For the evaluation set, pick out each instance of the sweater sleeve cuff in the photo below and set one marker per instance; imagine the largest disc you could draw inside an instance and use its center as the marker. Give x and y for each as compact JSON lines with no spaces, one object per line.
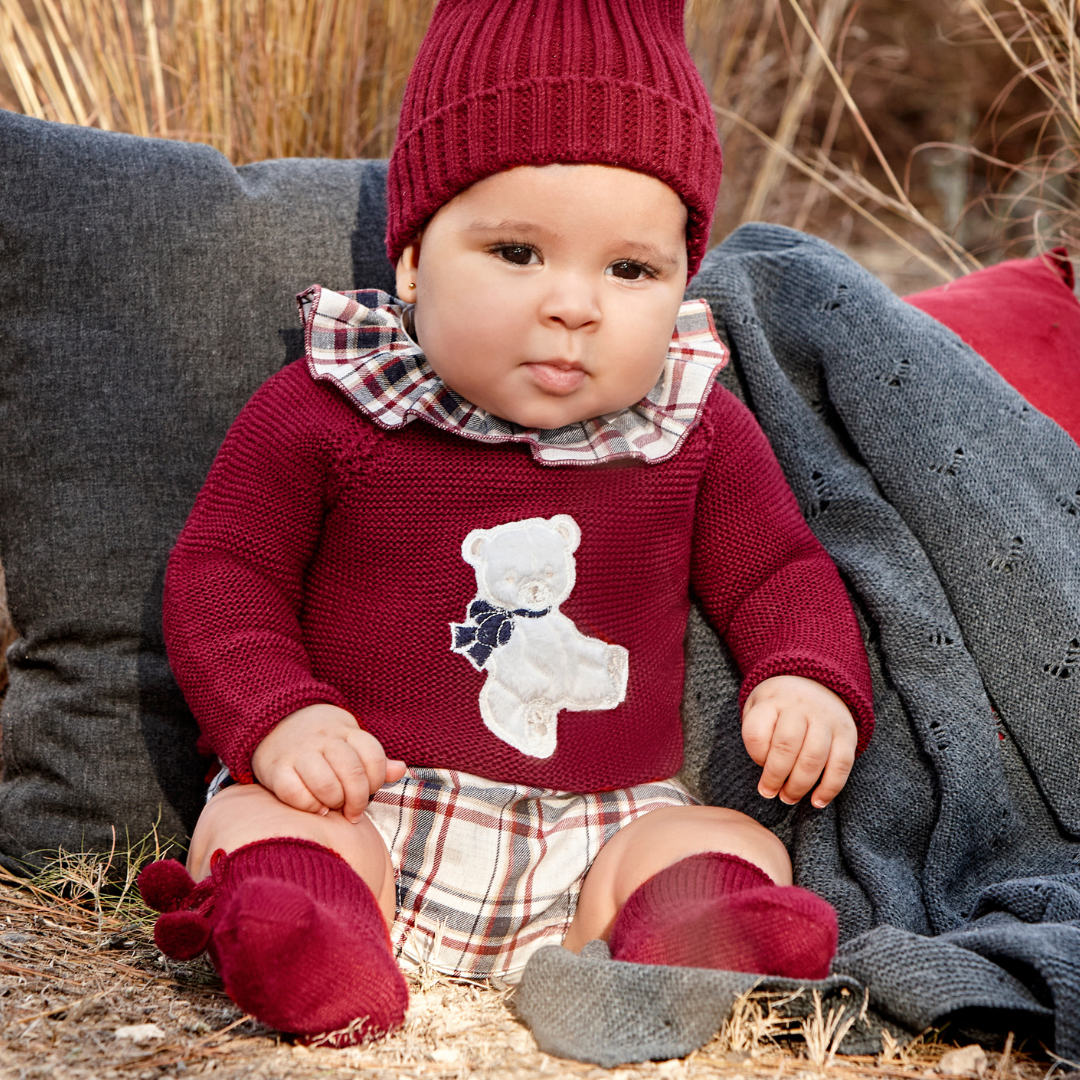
{"x":858,"y":699}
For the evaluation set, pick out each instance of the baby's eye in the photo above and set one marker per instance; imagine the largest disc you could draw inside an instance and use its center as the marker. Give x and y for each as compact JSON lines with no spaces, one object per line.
{"x":518,"y":254}
{"x":629,"y":270}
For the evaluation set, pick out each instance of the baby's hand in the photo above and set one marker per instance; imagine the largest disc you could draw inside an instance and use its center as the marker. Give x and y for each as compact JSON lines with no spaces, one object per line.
{"x":318,"y":759}
{"x":799,"y":730}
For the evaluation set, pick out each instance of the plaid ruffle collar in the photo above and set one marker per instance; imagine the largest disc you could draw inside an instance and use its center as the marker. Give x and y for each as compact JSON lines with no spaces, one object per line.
{"x":356,"y":341}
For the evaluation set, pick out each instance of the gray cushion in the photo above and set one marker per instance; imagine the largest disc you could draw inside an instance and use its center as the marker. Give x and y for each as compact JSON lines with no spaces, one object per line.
{"x":146,"y":289}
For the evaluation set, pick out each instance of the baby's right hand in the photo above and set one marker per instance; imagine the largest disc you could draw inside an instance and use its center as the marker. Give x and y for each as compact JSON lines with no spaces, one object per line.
{"x":318,"y":759}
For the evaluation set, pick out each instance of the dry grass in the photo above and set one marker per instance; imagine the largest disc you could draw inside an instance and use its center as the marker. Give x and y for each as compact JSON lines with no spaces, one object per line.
{"x":253,"y":78}
{"x":76,"y":970}
{"x":946,"y":130}
{"x":1043,"y":44}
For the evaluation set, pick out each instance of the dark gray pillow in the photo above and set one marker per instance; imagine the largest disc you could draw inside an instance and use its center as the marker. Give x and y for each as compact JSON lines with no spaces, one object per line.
{"x":146,"y":290}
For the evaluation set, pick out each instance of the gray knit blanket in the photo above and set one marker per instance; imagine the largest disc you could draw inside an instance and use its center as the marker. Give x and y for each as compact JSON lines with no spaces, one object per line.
{"x":952,"y":509}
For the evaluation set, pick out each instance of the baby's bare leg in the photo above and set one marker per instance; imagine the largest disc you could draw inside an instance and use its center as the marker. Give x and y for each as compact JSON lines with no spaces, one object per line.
{"x":661,"y":839}
{"x":244,"y":813}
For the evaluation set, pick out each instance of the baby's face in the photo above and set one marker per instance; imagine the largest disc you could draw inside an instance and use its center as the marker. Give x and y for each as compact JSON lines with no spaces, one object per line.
{"x":548,"y":295}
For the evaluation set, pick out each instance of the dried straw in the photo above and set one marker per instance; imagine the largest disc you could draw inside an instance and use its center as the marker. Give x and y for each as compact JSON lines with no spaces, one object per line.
{"x":815,"y":98}
{"x":1041,"y":38}
{"x":795,"y":108}
{"x":74,"y":976}
{"x":254,"y":78}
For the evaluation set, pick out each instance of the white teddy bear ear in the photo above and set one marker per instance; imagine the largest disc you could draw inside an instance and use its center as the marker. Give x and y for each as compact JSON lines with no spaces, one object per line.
{"x":568,"y":529}
{"x":472,"y":546}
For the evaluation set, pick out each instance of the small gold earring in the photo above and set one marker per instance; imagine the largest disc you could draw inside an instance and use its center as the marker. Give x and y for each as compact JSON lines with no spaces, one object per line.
{"x":412,"y":284}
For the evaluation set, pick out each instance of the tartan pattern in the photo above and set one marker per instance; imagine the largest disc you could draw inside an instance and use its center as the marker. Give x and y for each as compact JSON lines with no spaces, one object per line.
{"x":357,"y":342}
{"x":487,"y":872}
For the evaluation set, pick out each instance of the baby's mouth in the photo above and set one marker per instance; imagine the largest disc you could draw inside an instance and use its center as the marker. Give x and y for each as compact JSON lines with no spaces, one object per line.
{"x":558,"y":377}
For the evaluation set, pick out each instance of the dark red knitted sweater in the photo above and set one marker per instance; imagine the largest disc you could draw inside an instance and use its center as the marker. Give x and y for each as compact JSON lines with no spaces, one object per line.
{"x":322,"y":562}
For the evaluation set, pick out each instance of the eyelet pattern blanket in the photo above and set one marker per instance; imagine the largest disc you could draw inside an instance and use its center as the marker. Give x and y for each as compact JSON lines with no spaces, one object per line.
{"x":952,"y":508}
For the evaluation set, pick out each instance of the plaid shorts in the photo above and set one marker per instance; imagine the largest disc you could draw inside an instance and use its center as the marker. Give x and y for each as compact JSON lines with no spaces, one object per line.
{"x":488,"y":872}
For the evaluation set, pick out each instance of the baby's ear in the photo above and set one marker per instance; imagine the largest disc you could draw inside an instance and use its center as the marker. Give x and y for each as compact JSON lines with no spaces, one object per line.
{"x":406,"y":272}
{"x":473,"y":547}
{"x":568,"y":529}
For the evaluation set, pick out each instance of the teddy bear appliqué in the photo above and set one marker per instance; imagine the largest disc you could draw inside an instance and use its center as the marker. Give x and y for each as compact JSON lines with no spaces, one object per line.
{"x":536,"y":659}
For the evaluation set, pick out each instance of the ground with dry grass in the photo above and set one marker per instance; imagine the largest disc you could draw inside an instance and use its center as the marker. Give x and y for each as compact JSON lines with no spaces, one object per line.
{"x":85,"y":995}
{"x":946,"y":128}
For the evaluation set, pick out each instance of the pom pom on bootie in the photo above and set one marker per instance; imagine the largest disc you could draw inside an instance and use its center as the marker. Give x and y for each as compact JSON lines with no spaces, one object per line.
{"x":295,"y":934}
{"x":719,"y":911}
{"x":183,"y":930}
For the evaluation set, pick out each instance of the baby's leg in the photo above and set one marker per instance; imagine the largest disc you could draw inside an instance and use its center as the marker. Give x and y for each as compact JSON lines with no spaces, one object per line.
{"x":658,"y":840}
{"x":702,"y":886}
{"x":244,"y":813}
{"x":294,"y":910}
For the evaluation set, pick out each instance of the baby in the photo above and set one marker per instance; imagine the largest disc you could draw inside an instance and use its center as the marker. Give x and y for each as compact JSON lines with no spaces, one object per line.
{"x":429,"y":607}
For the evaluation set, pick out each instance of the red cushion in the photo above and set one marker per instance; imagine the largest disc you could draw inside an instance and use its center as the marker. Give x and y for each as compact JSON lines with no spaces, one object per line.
{"x":1023,"y":318}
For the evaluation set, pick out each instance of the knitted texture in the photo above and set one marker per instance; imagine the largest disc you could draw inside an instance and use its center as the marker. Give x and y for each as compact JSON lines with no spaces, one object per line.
{"x":950,"y":507}
{"x":719,"y":911}
{"x":323,"y":562}
{"x":500,"y":83}
{"x":638,"y":1012}
{"x":294,"y":933}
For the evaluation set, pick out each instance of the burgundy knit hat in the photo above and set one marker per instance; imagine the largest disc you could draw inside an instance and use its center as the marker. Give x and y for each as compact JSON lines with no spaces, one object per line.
{"x":500,"y":83}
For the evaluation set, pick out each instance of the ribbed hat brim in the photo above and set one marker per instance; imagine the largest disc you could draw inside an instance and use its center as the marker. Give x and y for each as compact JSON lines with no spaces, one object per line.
{"x":540,"y":121}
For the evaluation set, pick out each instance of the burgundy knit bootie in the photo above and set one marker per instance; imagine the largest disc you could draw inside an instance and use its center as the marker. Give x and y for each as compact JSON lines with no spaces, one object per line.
{"x":719,"y":911}
{"x":295,"y":934}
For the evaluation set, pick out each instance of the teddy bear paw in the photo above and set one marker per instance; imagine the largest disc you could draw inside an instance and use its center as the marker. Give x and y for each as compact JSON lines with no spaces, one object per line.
{"x":618,"y":668}
{"x":540,"y":718}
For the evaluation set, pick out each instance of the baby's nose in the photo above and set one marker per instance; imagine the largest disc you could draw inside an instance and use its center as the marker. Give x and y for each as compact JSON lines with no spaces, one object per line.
{"x":571,"y":302}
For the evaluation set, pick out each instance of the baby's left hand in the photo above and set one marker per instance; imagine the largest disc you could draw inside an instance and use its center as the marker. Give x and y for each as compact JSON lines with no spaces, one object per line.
{"x":799,"y":730}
